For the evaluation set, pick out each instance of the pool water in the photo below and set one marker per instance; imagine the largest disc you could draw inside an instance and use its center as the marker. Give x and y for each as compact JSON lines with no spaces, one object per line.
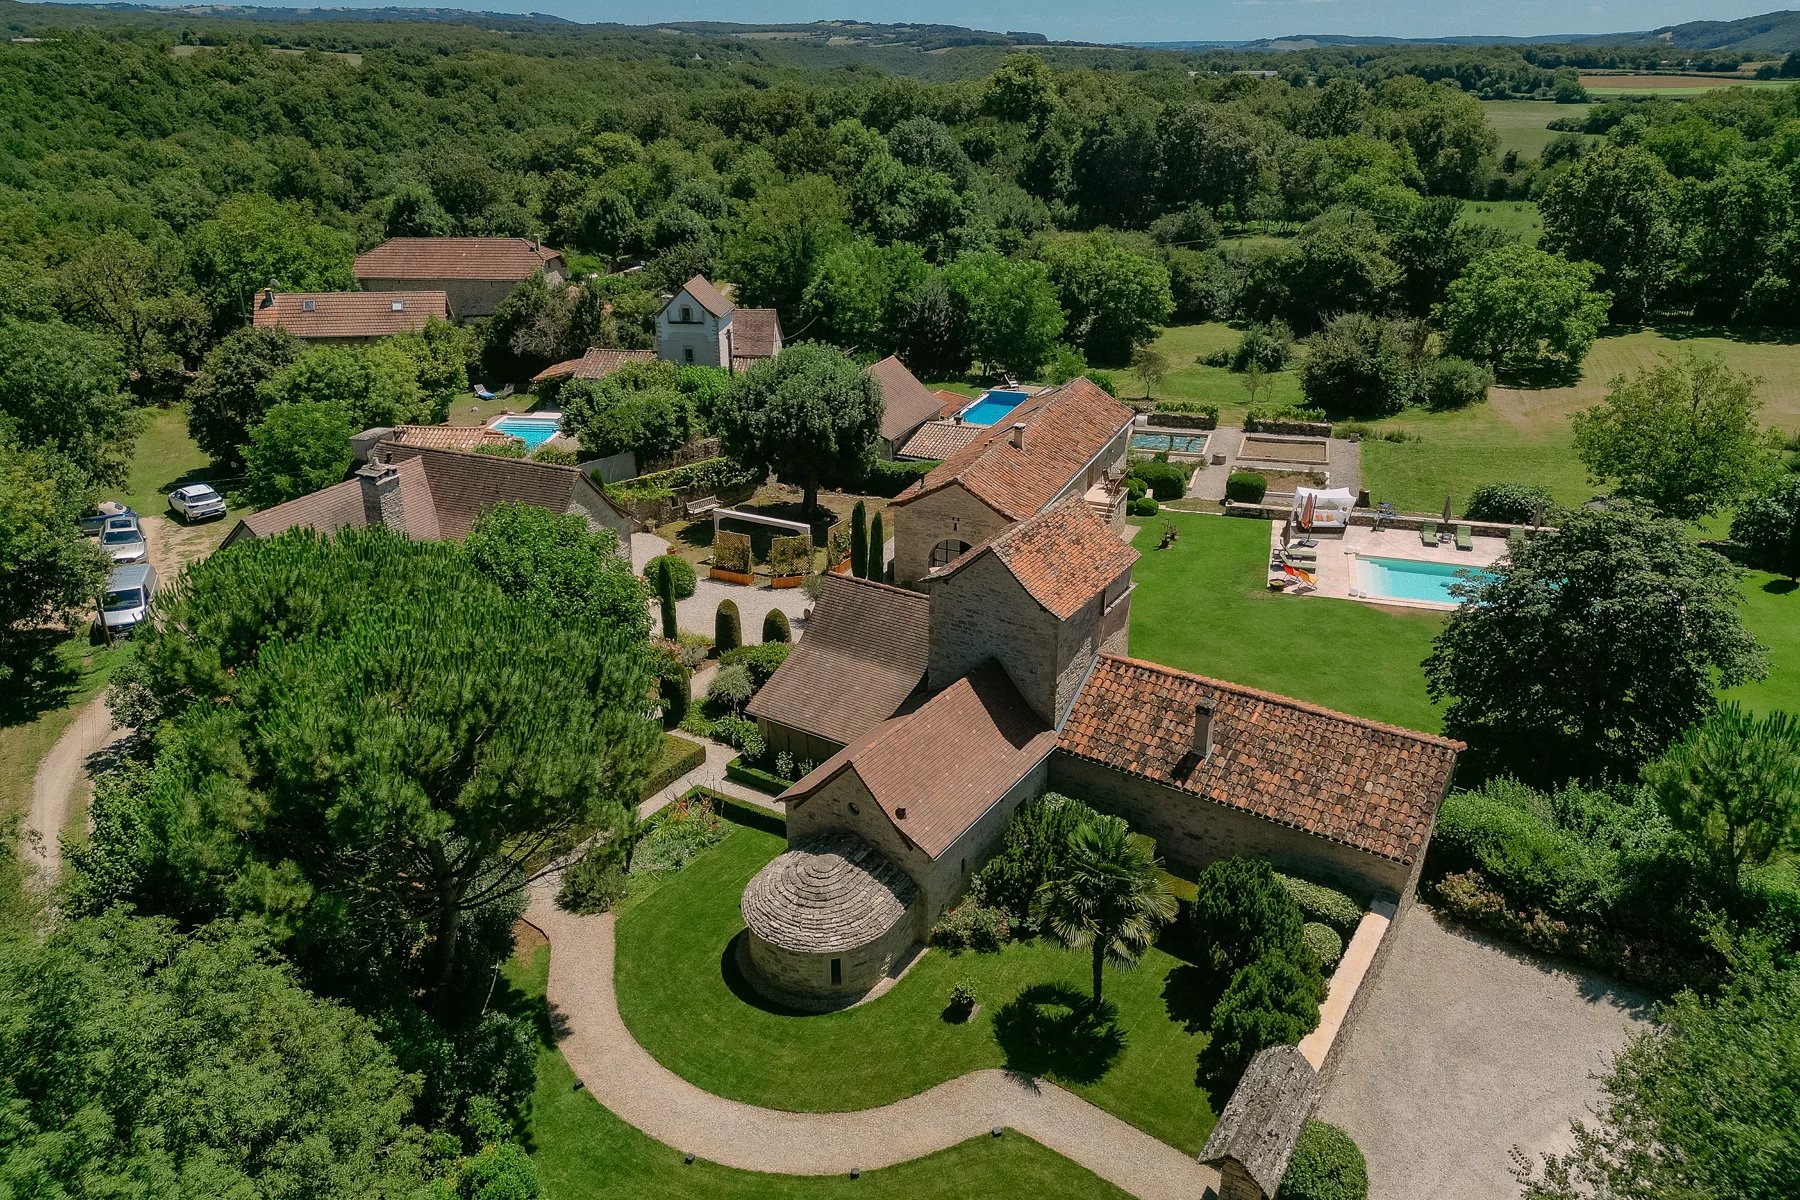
{"x":1172,"y":443}
{"x":533,"y":431}
{"x":990,"y":407}
{"x":1409,"y":579}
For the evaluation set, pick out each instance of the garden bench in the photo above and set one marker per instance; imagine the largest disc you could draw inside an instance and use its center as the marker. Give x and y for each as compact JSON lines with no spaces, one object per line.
{"x":694,"y":508}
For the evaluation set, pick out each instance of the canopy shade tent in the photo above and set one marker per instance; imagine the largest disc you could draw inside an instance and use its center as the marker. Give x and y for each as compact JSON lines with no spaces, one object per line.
{"x":1320,"y":508}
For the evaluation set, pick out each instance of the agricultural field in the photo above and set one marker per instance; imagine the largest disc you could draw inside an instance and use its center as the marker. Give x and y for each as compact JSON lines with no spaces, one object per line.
{"x":1654,"y":84}
{"x":1523,"y":125}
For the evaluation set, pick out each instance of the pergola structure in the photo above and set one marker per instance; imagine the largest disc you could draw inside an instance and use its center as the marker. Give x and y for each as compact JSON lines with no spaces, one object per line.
{"x":735,"y":514}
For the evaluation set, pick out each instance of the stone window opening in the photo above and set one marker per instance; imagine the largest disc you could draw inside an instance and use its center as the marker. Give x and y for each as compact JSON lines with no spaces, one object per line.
{"x":687,"y":315}
{"x":687,"y":354}
{"x":947,"y":550}
{"x":837,"y":971}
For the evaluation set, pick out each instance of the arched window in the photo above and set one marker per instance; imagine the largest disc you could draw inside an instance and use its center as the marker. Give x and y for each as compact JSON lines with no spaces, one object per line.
{"x":946,"y":550}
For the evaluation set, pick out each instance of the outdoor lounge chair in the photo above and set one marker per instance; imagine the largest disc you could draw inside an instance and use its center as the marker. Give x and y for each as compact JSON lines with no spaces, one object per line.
{"x":1465,"y":537}
{"x":1428,"y":533}
{"x":1296,"y":555}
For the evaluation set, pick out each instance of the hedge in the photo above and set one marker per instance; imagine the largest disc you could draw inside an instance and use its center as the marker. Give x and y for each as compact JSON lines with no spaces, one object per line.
{"x":679,"y":756}
{"x":707,"y":475}
{"x":763,"y":781}
{"x":1246,"y":487}
{"x":1142,"y":506}
{"x":1327,"y":1165}
{"x":1323,"y":904}
{"x":776,"y":628}
{"x":1324,"y":942}
{"x":680,"y":569}
{"x":1506,"y":503}
{"x":1165,"y":480}
{"x":761,"y":661}
{"x":885,"y":477}
{"x":728,"y":634}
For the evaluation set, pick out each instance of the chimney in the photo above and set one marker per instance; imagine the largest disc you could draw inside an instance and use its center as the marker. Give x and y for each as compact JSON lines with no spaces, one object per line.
{"x":382,"y":504}
{"x":1203,"y":728}
{"x":1018,"y":435}
{"x":268,"y":300}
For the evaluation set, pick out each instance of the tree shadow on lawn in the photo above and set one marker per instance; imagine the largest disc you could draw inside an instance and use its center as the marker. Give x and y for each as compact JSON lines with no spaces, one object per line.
{"x":1053,"y":1030}
{"x":1189,"y":994}
{"x":34,"y":677}
{"x":1781,"y":587}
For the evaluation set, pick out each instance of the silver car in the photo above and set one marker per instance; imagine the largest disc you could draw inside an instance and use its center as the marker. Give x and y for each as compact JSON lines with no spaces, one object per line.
{"x":122,"y":540}
{"x":129,"y":591}
{"x":196,"y":502}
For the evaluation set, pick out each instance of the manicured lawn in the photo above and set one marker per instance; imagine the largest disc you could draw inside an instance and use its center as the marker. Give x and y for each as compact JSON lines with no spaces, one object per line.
{"x":1188,"y":380}
{"x":39,"y":702}
{"x":680,"y":993}
{"x":164,"y":459}
{"x":584,"y":1152}
{"x":1772,"y":611}
{"x":1203,"y":606}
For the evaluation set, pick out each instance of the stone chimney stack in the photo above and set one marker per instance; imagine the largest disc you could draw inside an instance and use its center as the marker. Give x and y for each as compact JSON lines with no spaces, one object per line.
{"x":382,"y":503}
{"x":1018,"y":435}
{"x":268,"y":300}
{"x":1203,"y":729}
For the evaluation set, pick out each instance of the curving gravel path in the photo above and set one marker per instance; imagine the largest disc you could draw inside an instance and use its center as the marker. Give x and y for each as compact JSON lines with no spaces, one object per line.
{"x":59,"y":773}
{"x":626,"y":1079}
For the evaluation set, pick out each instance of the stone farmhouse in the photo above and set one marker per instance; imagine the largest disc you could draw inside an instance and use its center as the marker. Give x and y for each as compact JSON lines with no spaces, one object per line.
{"x":1006,"y":675}
{"x":348,"y":318}
{"x":435,"y":494}
{"x":1067,"y":441}
{"x":700,"y":325}
{"x":474,"y":273}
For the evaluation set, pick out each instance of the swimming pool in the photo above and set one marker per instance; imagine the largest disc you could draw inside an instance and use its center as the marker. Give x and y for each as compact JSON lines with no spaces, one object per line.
{"x":990,"y":407}
{"x":533,"y":431}
{"x":1170,"y":443}
{"x":1410,"y":579}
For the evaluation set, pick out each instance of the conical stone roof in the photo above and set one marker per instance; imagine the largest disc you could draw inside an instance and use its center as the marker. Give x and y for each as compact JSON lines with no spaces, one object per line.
{"x":828,"y":895}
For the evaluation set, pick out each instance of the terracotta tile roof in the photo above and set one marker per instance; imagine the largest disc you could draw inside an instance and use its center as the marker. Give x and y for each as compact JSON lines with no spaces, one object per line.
{"x":705,"y":295}
{"x":938,"y":440}
{"x":755,"y":333}
{"x":597,"y":363}
{"x":1065,"y":428}
{"x":1062,"y":557}
{"x":743,"y":362}
{"x":455,"y":258}
{"x":935,"y":771}
{"x":950,"y":403}
{"x":864,"y":652}
{"x":347,"y":505}
{"x":465,"y":485}
{"x":1369,"y":786}
{"x":448,"y":437}
{"x":905,"y":404}
{"x":349,"y":314}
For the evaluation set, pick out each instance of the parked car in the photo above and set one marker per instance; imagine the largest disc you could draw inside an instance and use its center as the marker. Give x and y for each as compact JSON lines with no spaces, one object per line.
{"x":94,"y":522}
{"x":196,"y":502}
{"x":129,"y":591}
{"x":122,"y":540}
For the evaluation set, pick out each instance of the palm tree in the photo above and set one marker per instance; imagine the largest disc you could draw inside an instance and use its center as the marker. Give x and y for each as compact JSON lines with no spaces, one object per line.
{"x":1108,"y":895}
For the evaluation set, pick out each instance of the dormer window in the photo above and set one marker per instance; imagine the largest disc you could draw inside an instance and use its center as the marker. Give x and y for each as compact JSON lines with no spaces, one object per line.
{"x":308,"y":305}
{"x":399,"y":306}
{"x":687,"y":315}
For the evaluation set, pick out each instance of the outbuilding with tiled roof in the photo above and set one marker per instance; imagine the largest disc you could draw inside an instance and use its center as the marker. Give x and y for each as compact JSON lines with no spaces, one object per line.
{"x":348,"y":317}
{"x":476,"y":272}
{"x":597,"y":363}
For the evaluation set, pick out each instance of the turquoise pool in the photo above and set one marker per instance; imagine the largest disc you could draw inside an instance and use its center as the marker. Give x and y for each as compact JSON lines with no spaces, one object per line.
{"x":1409,"y":579}
{"x":990,"y":407}
{"x":533,"y":431}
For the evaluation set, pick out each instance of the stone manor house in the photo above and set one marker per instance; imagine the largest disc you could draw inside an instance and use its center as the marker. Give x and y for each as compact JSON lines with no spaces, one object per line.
{"x":1002,"y":672}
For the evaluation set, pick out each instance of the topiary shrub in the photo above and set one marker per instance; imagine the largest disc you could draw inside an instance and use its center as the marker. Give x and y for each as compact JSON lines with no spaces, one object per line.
{"x":1242,"y":913}
{"x":1324,"y":943}
{"x":1143,"y":506}
{"x":971,"y":926}
{"x":1507,"y":503}
{"x":1165,"y":480}
{"x":673,"y":685}
{"x":1246,"y":487}
{"x":1321,"y":903}
{"x":1327,"y":1165}
{"x":877,"y":550}
{"x":728,"y":633}
{"x":775,"y":627}
{"x":1273,"y":1001}
{"x":731,"y":687}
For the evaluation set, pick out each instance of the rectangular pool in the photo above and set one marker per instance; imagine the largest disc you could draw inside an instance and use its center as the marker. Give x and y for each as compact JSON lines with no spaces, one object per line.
{"x":1170,"y":443}
{"x":990,"y":407}
{"x":533,"y":431}
{"x":1410,"y":579}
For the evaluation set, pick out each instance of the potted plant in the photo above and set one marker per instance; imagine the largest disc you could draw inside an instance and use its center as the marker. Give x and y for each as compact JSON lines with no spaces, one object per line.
{"x":790,"y":558}
{"x":732,"y":561}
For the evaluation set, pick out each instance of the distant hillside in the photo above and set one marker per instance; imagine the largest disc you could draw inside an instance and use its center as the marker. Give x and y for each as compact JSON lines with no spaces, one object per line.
{"x":1772,"y":34}
{"x":289,"y":16}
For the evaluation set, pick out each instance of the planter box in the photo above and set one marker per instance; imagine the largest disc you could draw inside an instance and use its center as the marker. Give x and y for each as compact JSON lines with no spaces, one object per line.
{"x":787,"y":581}
{"x":741,"y":577}
{"x":842,"y":568}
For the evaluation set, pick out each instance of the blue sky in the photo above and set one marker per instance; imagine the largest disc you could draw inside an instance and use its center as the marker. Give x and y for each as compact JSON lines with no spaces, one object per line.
{"x":1156,"y":20}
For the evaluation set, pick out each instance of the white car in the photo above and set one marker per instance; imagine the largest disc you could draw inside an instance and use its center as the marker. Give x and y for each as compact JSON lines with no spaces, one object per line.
{"x":196,"y":502}
{"x":122,"y":541}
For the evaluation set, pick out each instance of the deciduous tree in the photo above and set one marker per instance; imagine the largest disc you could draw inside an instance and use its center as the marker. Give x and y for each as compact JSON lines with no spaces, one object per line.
{"x":1616,"y":207}
{"x":48,"y":567}
{"x":1114,"y":298}
{"x":809,"y":414}
{"x":226,"y":398}
{"x":1521,"y":310}
{"x":297,"y":449}
{"x":62,"y":388}
{"x":1008,"y":308}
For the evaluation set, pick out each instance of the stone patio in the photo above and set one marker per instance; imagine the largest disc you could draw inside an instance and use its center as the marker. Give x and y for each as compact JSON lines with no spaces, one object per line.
{"x":1336,"y":573}
{"x":1343,"y":470}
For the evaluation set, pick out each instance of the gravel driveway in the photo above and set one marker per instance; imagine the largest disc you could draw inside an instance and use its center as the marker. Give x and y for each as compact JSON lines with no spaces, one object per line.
{"x":1465,"y":1050}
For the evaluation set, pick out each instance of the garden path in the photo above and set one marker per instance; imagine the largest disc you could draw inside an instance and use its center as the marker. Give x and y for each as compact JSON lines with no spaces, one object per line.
{"x":624,"y":1077}
{"x":60,"y":774}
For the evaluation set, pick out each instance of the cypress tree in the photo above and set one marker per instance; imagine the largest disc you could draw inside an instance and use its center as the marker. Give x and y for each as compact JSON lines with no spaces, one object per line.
{"x":877,"y":551}
{"x":665,"y":596}
{"x":775,"y":627}
{"x":859,"y":541}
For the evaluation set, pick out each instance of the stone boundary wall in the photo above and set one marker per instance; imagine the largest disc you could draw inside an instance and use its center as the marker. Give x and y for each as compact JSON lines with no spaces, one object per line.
{"x":1157,"y":419}
{"x":1292,"y":428}
{"x":1354,"y":970}
{"x":1366,"y":517}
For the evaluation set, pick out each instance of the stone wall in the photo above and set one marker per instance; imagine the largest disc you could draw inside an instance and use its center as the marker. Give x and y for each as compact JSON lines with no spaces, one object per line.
{"x":468,"y":297}
{"x":923,"y":523}
{"x":704,"y":335}
{"x":982,"y":613}
{"x":946,"y":879}
{"x":593,"y":508}
{"x":804,"y":980}
{"x":1192,"y":832}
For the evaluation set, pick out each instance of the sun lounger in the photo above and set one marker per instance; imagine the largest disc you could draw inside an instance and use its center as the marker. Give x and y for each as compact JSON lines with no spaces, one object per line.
{"x":1465,"y":537}
{"x":1428,"y":533}
{"x":1300,"y":556}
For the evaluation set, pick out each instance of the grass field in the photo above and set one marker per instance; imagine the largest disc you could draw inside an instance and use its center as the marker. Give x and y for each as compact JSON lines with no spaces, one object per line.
{"x":680,"y":994}
{"x":1188,"y":380}
{"x":1772,"y":611}
{"x":164,"y":459}
{"x":1523,"y":125}
{"x":1203,"y":606}
{"x":584,"y":1152}
{"x":1517,"y":217}
{"x":1653,"y":84}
